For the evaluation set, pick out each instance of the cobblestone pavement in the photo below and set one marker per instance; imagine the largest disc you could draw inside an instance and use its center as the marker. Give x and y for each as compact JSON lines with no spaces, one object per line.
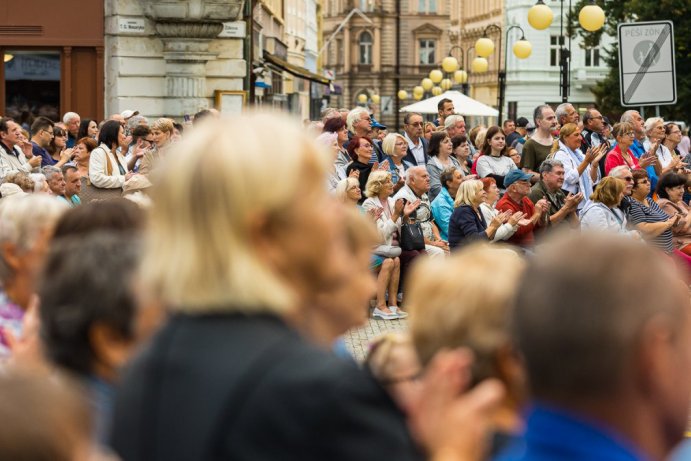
{"x":357,"y":340}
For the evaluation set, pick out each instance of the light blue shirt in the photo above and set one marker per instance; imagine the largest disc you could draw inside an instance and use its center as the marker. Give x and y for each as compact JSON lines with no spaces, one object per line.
{"x":442,"y":209}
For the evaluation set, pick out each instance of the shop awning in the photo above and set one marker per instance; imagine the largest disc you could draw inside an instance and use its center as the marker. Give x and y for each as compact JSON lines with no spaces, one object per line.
{"x":296,"y":70}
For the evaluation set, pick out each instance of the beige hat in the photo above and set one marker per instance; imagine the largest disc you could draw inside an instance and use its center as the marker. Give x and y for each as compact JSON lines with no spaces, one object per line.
{"x":9,"y":189}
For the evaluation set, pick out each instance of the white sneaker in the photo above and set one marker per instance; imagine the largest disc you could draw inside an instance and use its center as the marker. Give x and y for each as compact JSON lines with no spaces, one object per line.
{"x":399,"y":313}
{"x":381,"y":315}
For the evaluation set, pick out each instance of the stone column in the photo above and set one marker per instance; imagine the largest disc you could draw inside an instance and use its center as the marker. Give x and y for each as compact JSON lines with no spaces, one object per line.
{"x":186,"y":28}
{"x":186,"y":52}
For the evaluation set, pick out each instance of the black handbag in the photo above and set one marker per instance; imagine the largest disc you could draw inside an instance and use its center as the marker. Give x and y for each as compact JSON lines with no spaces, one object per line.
{"x":411,"y":237}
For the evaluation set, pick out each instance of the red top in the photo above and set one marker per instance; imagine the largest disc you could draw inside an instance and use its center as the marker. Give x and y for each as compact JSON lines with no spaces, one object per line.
{"x":615,"y":158}
{"x":524,"y":235}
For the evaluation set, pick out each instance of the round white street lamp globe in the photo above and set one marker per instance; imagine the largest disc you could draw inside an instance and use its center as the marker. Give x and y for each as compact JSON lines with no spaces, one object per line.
{"x":591,"y":18}
{"x":522,"y":49}
{"x":540,"y":16}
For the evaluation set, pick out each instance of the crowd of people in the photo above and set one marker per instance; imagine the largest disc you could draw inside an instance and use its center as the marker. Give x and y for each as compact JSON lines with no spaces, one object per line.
{"x":173,"y":292}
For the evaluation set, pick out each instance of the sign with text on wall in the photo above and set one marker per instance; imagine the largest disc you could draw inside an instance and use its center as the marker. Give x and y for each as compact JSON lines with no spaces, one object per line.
{"x":131,"y":25}
{"x":234,"y":29}
{"x":647,"y":74}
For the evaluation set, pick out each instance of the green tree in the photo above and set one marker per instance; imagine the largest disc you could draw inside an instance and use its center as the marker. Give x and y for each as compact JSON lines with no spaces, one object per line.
{"x":622,"y":11}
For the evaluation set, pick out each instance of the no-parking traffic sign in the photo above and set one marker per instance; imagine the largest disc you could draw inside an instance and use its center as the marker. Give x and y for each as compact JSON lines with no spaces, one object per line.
{"x":647,"y":74}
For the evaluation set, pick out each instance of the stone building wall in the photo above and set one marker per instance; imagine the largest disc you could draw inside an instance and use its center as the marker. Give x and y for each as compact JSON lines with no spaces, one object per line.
{"x":164,"y":57}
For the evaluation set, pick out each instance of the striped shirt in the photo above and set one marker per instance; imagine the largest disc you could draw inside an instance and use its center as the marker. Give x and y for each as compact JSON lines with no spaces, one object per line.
{"x":639,"y":213}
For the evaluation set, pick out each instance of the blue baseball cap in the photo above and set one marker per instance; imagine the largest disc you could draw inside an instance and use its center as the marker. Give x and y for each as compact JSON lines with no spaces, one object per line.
{"x":516,"y":175}
{"x":376,"y":124}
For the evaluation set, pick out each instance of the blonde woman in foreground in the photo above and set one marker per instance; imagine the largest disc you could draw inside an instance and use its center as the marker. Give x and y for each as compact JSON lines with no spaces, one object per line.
{"x":229,"y":369}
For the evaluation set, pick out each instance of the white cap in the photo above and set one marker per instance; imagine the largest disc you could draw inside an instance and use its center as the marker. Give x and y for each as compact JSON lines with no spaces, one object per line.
{"x":129,"y":113}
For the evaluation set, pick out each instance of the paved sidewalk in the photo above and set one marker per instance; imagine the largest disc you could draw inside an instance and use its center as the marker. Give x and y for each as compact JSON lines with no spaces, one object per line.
{"x":357,"y":340}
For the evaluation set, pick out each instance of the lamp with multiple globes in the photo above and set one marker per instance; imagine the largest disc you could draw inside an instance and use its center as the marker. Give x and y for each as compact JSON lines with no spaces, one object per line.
{"x":362,"y":98}
{"x":446,"y":84}
{"x":591,"y":18}
{"x":427,"y":84}
{"x":375,"y":98}
{"x":402,"y":95}
{"x":418,"y":93}
{"x":436,"y":91}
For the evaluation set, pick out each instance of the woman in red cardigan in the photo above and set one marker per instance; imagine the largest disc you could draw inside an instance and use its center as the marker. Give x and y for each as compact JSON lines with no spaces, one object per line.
{"x":621,"y":154}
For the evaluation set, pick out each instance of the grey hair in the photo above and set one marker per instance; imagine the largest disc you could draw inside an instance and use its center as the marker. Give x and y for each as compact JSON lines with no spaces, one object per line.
{"x":69,"y":116}
{"x":650,"y":123}
{"x":50,"y":171}
{"x":561,"y":110}
{"x":628,"y":116}
{"x":39,"y":180}
{"x":354,"y":116}
{"x":136,"y":120}
{"x":537,"y":113}
{"x":549,"y":164}
{"x":22,"y":219}
{"x":452,"y":120}
{"x":413,"y":171}
{"x":619,"y":171}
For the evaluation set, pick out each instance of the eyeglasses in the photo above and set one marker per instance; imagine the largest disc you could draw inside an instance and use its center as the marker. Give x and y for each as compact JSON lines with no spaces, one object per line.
{"x":599,"y":117}
{"x":418,"y":124}
{"x":60,"y":135}
{"x":628,"y":179}
{"x":644,"y":181}
{"x":49,"y":132}
{"x":629,"y":133}
{"x":366,"y":146}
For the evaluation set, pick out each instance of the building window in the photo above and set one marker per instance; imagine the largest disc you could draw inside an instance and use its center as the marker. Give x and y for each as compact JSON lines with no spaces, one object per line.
{"x":365,"y":48}
{"x":556,"y":42}
{"x":366,"y":5}
{"x":427,"y":6}
{"x":32,"y":85}
{"x":592,"y":56}
{"x":427,"y":52}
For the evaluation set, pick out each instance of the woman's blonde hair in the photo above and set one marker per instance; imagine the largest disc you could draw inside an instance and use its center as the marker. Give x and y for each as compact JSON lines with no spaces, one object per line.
{"x":375,"y":182}
{"x":467,"y":192}
{"x":342,"y":187}
{"x":608,"y":191}
{"x":163,"y":124}
{"x":388,"y":145}
{"x":567,"y":130}
{"x":447,"y":311}
{"x":199,"y":253}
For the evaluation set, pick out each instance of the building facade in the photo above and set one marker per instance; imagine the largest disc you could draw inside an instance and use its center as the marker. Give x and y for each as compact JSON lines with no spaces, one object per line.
{"x":385,"y":46}
{"x":536,"y":80}
{"x":160,"y":57}
{"x":173,"y":58}
{"x":53,"y":59}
